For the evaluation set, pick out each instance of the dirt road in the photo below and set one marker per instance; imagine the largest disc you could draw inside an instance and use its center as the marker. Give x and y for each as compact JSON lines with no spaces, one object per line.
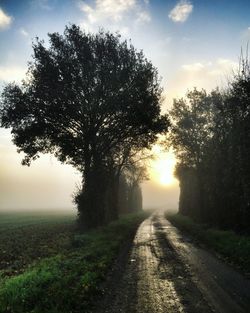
{"x":165,"y":272}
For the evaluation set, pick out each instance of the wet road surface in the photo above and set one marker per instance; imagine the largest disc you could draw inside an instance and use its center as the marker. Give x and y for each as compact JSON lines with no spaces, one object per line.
{"x":165,"y":272}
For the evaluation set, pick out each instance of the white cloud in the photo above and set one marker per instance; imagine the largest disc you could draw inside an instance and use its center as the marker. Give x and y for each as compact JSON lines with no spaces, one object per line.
{"x":113,"y":9}
{"x":143,"y":16}
{"x":194,"y":67}
{"x":226,"y":64}
{"x":207,"y":75}
{"x":12,"y":73}
{"x":223,"y":68}
{"x":181,"y":11}
{"x":23,"y":32}
{"x":218,"y":67}
{"x":5,"y":20}
{"x":114,"y":14}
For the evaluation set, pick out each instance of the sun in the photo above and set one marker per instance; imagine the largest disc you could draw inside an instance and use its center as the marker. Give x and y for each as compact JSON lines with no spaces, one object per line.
{"x":162,"y":167}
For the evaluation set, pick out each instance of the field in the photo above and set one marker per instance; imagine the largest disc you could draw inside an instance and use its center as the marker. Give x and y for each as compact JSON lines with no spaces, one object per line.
{"x":27,"y":237}
{"x":46,"y":266}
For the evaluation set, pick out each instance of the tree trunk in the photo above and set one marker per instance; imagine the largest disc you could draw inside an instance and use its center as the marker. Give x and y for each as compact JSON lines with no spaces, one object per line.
{"x":112,"y":200}
{"x":91,"y":206}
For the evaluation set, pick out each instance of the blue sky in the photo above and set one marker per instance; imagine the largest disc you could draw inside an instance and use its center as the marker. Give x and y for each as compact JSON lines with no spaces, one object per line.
{"x":205,"y":34}
{"x":199,"y":32}
{"x":192,"y":43}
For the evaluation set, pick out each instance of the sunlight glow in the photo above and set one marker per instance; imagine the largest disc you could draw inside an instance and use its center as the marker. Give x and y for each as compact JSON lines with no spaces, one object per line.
{"x":161,"y":168}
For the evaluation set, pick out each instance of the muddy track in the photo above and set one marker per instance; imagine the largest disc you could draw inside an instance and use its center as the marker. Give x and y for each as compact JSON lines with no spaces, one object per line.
{"x":164,"y":272}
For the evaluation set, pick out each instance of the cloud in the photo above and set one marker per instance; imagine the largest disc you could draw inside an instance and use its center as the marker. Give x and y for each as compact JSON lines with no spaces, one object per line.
{"x":194,"y":67}
{"x":181,"y":11}
{"x":23,"y":32}
{"x":12,"y":73}
{"x":47,"y":5}
{"x":226,"y":64}
{"x":143,"y":16}
{"x":113,"y":9}
{"x":5,"y":20}
{"x":218,"y":67}
{"x":114,"y":14}
{"x":207,"y":75}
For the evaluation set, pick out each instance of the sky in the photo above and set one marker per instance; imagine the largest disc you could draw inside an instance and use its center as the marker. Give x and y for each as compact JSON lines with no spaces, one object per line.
{"x":192,"y":43}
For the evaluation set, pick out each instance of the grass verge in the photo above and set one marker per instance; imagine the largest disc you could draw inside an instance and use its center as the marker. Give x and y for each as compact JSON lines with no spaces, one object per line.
{"x":70,"y":281}
{"x":233,"y":248}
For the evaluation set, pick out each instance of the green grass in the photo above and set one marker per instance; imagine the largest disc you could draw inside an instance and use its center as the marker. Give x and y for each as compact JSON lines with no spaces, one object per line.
{"x":71,"y":279}
{"x":233,"y":248}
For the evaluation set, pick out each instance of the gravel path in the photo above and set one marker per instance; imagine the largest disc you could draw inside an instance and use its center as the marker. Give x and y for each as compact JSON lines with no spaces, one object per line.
{"x":166,"y":273}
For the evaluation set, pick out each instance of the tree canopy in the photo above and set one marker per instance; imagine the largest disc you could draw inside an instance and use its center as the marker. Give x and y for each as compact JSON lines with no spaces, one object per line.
{"x":93,"y":101}
{"x":210,"y":134}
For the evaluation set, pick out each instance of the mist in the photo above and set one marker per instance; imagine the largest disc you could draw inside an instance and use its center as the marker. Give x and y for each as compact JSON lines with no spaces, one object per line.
{"x":47,"y":184}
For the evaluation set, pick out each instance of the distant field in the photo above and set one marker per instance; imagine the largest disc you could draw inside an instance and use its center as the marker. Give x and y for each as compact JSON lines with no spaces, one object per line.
{"x":26,"y":237}
{"x":10,"y":220}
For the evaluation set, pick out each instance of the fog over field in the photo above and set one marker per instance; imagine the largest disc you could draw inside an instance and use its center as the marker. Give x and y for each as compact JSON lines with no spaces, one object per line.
{"x":49,"y":184}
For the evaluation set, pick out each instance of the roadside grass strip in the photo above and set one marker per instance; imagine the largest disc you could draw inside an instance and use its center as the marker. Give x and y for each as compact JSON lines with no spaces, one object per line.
{"x":69,"y":281}
{"x":233,"y":248}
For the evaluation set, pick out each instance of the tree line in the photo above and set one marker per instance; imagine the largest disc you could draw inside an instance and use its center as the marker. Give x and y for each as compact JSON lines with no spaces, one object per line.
{"x":210,"y":134}
{"x":93,"y":101}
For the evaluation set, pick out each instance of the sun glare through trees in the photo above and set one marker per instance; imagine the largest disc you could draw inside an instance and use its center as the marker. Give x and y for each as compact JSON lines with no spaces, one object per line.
{"x":124,"y":156}
{"x":161,"y":167}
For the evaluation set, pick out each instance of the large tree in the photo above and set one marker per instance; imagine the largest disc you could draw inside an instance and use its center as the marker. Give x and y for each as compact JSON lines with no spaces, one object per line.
{"x":92,"y":100}
{"x":210,"y":134}
{"x":190,"y":136}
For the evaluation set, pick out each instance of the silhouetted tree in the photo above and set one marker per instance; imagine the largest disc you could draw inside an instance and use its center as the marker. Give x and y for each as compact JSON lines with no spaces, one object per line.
{"x":190,"y":133}
{"x":130,"y":194}
{"x":210,"y":134}
{"x":89,"y":99}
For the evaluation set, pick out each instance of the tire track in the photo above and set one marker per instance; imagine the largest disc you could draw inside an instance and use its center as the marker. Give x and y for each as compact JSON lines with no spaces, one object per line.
{"x":154,"y":280}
